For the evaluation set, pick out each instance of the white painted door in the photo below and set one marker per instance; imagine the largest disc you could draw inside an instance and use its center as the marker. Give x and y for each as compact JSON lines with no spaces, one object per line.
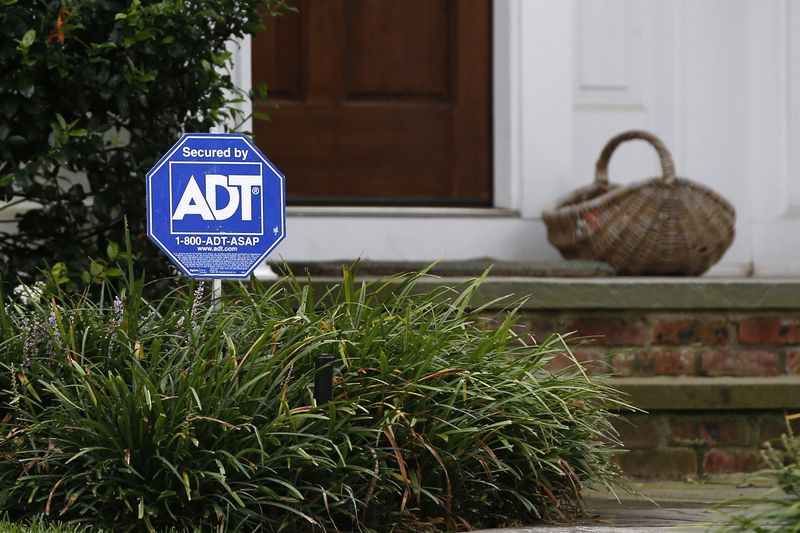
{"x":775,"y":136}
{"x":673,"y":68}
{"x":719,"y":82}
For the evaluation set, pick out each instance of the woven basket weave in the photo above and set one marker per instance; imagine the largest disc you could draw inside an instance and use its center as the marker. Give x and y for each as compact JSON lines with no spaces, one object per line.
{"x":660,"y":226}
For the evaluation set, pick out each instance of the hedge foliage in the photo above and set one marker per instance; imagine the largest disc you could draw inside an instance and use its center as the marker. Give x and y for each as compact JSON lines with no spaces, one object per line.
{"x":136,"y":415}
{"x":93,"y":92}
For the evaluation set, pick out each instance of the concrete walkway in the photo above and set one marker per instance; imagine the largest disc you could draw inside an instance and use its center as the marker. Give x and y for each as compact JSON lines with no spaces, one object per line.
{"x":661,"y":506}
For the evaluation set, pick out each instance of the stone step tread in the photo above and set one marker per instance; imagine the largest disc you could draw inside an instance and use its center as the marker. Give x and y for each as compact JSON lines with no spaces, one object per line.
{"x":612,"y":293}
{"x":705,"y":393}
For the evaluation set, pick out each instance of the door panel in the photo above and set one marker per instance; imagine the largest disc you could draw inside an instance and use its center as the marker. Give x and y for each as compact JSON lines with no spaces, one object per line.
{"x":379,"y":101}
{"x":387,"y":60}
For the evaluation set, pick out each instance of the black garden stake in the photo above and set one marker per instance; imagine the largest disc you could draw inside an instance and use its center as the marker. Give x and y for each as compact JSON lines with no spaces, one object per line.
{"x":323,"y":381}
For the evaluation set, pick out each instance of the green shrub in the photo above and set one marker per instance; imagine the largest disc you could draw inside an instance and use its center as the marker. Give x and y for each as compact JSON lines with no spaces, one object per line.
{"x":102,"y":88}
{"x":134,"y":414}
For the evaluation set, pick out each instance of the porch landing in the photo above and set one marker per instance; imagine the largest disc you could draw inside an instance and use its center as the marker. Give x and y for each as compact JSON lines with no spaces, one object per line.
{"x":658,"y":506}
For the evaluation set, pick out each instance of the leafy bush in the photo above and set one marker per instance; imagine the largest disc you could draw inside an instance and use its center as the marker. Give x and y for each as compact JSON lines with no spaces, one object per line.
{"x":136,"y":414}
{"x":772,"y":511}
{"x":101,"y":89}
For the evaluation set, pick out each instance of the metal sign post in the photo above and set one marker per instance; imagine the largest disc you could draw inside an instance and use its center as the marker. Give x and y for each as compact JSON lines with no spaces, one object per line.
{"x":216,"y":293}
{"x":216,"y":283}
{"x":323,"y":379}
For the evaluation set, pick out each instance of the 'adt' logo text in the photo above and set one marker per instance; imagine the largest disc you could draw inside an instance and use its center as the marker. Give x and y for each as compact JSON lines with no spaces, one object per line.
{"x":216,"y":197}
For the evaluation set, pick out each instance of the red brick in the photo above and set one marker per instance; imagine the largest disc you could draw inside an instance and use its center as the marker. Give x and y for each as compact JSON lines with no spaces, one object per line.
{"x":740,"y":363}
{"x":663,"y":463}
{"x":655,"y":363}
{"x":688,"y":331}
{"x":724,"y":462}
{"x":725,"y":432}
{"x":793,"y":362}
{"x":772,"y":427}
{"x":769,"y":330}
{"x":640,"y":431}
{"x":541,"y":328}
{"x":684,"y":431}
{"x":709,"y":431}
{"x":594,"y":362}
{"x":609,"y":331}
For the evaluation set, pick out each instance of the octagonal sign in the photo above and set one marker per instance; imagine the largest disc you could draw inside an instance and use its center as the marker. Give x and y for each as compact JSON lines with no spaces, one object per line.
{"x":216,"y":205}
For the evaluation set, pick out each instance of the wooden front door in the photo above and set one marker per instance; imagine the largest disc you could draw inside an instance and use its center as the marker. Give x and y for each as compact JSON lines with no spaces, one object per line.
{"x":380,"y":101}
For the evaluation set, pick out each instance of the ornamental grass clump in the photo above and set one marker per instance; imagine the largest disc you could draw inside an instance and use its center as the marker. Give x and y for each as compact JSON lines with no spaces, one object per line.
{"x":137,"y":415}
{"x":779,"y":508}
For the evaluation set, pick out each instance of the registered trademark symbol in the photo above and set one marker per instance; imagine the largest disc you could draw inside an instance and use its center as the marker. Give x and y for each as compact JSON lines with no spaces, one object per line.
{"x":256,"y":190}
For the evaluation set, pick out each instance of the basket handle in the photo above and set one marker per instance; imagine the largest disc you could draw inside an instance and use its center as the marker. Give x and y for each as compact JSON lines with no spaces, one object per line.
{"x":667,"y":164}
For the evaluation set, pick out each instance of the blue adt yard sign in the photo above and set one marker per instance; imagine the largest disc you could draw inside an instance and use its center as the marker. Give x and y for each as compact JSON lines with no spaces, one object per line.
{"x":215,"y":205}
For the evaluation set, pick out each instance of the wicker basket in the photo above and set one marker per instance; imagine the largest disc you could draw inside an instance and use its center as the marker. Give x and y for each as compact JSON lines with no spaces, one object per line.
{"x":661,"y":226}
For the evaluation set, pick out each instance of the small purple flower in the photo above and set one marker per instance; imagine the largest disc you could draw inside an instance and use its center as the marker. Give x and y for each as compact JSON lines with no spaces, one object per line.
{"x":56,"y":334}
{"x":118,"y":308}
{"x":116,"y":316}
{"x":35,"y":336}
